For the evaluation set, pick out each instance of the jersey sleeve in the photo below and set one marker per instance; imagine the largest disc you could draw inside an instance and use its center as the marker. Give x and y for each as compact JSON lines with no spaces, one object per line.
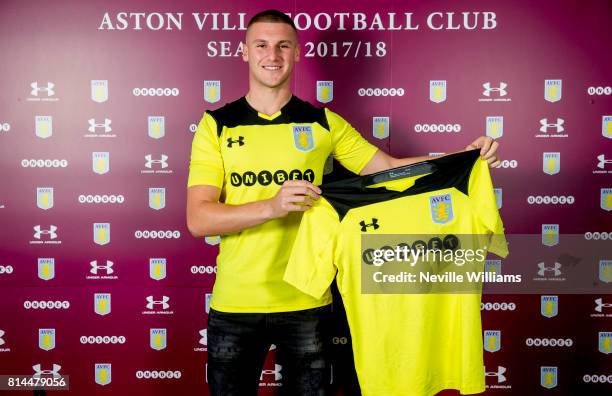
{"x":311,"y":266}
{"x":351,"y":149}
{"x":206,"y":163}
{"x":481,"y":194}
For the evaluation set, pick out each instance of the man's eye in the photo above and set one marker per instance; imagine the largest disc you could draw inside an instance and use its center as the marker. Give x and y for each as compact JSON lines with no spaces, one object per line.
{"x":259,"y":45}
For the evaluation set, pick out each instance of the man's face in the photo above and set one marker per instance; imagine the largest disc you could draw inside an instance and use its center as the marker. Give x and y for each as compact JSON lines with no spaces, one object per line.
{"x":271,"y":49}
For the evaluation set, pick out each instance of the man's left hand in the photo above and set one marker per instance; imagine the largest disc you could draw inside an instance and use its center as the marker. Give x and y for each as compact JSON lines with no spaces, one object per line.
{"x":488,"y":150}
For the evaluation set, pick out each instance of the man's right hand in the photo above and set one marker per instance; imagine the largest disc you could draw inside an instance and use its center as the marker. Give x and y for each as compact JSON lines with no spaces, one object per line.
{"x":293,"y":196}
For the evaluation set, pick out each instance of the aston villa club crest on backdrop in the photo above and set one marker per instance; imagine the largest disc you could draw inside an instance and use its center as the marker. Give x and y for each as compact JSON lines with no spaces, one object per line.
{"x":157,"y":198}
{"x":46,"y":339}
{"x":157,"y":268}
{"x":493,"y":266}
{"x":552,"y":90}
{"x":302,"y":137}
{"x":606,"y":199}
{"x":498,"y":197}
{"x":102,"y":303}
{"x":549,"y":306}
{"x":157,"y":339}
{"x":325,"y":91}
{"x":605,"y":342}
{"x":605,"y":271}
{"x":606,"y":126}
{"x":551,"y":163}
{"x":548,"y":376}
{"x":495,"y":127}
{"x":99,"y":90}
{"x":156,"y":127}
{"x":46,"y":268}
{"x":492,"y":340}
{"x":437,"y":91}
{"x":100,"y":162}
{"x":102,"y":373}
{"x":44,"y":197}
{"x":441,"y":208}
{"x":550,"y":234}
{"x":43,"y":126}
{"x":212,"y":91}
{"x":380,"y":127}
{"x":101,"y":233}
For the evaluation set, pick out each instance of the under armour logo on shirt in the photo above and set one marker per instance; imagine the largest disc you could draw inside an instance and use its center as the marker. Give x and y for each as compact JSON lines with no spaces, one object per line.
{"x":231,"y":142}
{"x":365,"y":226}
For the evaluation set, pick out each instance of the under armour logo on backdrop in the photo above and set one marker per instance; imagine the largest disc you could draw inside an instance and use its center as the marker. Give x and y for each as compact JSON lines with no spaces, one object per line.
{"x":365,"y":226}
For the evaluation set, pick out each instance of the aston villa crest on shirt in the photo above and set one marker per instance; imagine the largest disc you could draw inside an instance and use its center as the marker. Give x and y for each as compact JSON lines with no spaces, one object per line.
{"x":325,"y":91}
{"x":157,"y":198}
{"x":552,"y":90}
{"x":606,"y":126}
{"x":46,"y":339}
{"x":606,"y":199}
{"x":549,"y":306}
{"x":157,"y":339}
{"x":437,"y":91}
{"x":380,"y":127}
{"x":551,"y":163}
{"x":495,"y":127}
{"x":492,"y":340}
{"x":302,"y":137}
{"x":44,"y":197}
{"x":100,"y":162}
{"x":212,"y":91}
{"x":102,"y":303}
{"x":99,"y":90}
{"x":441,"y":208}
{"x":43,"y":126}
{"x":46,"y":268}
{"x":548,"y":376}
{"x":101,"y":233}
{"x":102,"y":373}
{"x":157,"y":268}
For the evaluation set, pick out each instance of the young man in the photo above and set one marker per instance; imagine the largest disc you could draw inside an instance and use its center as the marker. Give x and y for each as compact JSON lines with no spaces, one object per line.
{"x":255,"y":166}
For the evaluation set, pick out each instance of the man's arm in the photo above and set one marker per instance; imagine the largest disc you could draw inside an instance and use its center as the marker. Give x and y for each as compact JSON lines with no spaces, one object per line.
{"x":207,"y":216}
{"x":382,"y":161}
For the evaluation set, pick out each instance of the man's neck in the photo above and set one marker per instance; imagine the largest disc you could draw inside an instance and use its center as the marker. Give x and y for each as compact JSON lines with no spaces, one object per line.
{"x":268,"y":101}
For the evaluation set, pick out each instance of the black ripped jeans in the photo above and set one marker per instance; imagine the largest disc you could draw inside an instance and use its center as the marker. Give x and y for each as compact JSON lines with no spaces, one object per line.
{"x":238,"y":344}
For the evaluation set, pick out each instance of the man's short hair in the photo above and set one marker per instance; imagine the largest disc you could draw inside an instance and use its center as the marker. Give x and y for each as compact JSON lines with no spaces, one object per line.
{"x":274,"y":16}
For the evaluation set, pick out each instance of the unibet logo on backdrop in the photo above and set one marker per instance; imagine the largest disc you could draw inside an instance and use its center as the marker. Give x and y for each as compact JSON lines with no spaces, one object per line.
{"x":495,"y":126}
{"x":552,"y":90}
{"x":212,"y":91}
{"x":380,"y":127}
{"x":551,"y":163}
{"x":325,"y":91}
{"x":43,"y":126}
{"x":46,"y":268}
{"x":102,"y":373}
{"x":549,"y":306}
{"x":437,"y":91}
{"x":99,"y":90}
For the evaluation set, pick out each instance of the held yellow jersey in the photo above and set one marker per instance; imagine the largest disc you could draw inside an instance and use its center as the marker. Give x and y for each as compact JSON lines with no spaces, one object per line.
{"x":249,"y":155}
{"x":404,"y":344}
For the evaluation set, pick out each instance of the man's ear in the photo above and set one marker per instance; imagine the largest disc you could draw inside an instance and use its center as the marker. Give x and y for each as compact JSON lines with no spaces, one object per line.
{"x":245,"y":52}
{"x":297,"y":52}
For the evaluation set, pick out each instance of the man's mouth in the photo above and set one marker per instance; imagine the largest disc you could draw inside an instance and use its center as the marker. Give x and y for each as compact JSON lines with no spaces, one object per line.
{"x":272,"y":68}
